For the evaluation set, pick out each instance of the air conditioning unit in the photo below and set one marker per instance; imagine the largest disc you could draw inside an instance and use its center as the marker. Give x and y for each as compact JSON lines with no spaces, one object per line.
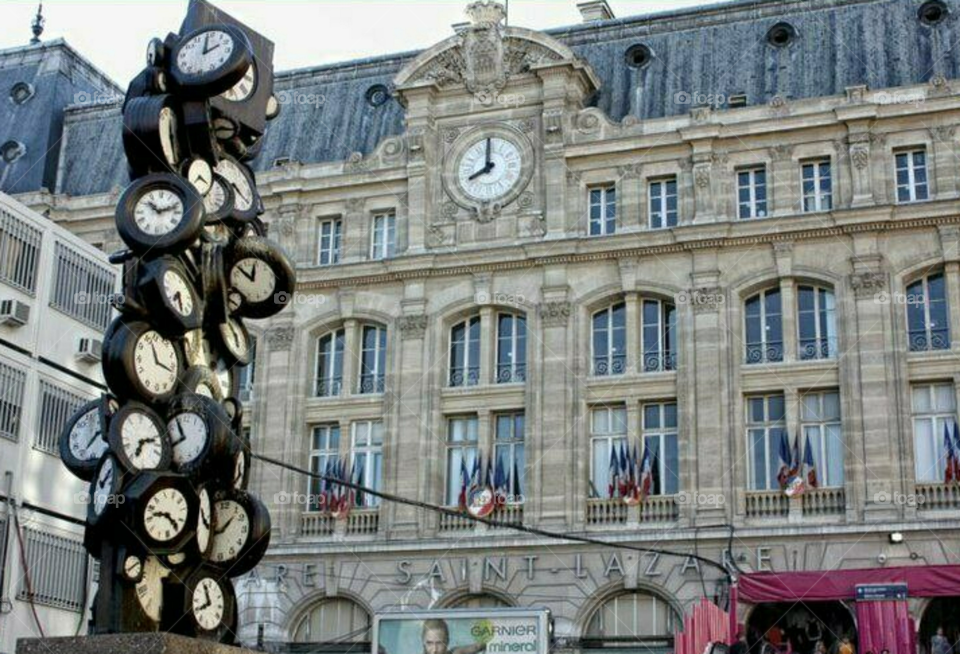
{"x":14,"y":312}
{"x":90,"y":350}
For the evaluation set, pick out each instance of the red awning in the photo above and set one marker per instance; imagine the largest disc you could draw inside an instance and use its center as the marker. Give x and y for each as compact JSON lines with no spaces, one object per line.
{"x":825,"y":585}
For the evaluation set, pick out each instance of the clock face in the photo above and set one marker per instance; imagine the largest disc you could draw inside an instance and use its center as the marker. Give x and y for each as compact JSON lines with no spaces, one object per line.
{"x":254,"y":279}
{"x":234,"y":338}
{"x":204,"y":389}
{"x":200,"y":175}
{"x":86,"y":440}
{"x":489,"y":168}
{"x":150,"y":588}
{"x":205,"y":52}
{"x":165,"y":515}
{"x":141,"y":440}
{"x":243,"y":89}
{"x":238,"y":179}
{"x":168,"y":135}
{"x":156,"y":362}
{"x":103,"y":486}
{"x":205,"y":521}
{"x":232,"y":531}
{"x":178,"y":292}
{"x":215,"y":197}
{"x":188,"y":432}
{"x":208,"y":604}
{"x":132,"y":567}
{"x":158,"y":212}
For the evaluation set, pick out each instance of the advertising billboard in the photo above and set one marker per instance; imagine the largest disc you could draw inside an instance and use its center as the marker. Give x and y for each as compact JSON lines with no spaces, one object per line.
{"x":462,"y":631}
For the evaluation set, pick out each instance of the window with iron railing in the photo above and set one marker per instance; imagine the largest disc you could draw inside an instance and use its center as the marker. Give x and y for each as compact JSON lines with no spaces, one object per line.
{"x":58,"y":571}
{"x":329,"y":377}
{"x":373,"y":359}
{"x":763,"y":327}
{"x":465,"y":353}
{"x":928,"y":314}
{"x":609,"y":340}
{"x":12,"y":382}
{"x":511,"y":348}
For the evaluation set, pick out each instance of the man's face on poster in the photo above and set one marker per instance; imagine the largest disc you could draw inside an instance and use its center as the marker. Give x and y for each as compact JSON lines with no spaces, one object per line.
{"x":434,"y":642}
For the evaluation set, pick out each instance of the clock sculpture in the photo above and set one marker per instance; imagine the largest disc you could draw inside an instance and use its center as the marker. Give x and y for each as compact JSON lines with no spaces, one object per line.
{"x":169,"y":516}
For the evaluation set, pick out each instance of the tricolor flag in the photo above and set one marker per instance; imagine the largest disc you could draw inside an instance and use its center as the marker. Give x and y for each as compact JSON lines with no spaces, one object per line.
{"x":950,"y":456}
{"x":464,"y":483}
{"x":786,"y":462}
{"x":646,"y":474}
{"x":614,"y":473}
{"x":956,"y":453}
{"x":500,"y":484}
{"x":624,"y":470}
{"x":812,"y":480}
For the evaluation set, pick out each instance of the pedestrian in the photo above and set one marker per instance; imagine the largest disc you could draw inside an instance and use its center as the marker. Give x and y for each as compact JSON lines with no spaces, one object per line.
{"x":940,"y":644}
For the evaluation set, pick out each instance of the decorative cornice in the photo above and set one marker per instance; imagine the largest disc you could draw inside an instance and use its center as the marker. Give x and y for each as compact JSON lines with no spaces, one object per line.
{"x":555,"y":314}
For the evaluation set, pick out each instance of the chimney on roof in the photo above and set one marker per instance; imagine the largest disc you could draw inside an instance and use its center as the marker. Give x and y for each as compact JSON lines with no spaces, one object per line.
{"x":594,"y":10}
{"x":37,"y":25}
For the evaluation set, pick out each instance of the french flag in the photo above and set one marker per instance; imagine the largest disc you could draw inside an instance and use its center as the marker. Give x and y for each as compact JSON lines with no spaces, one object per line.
{"x":812,"y":480}
{"x":786,"y":460}
{"x":646,"y":474}
{"x":950,"y":454}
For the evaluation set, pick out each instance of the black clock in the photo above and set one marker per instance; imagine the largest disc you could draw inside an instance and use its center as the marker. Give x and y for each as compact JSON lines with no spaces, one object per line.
{"x":152,"y":80}
{"x":260,"y":276}
{"x":196,"y":120}
{"x":240,"y":477}
{"x":132,"y":567}
{"x":167,"y":289}
{"x":233,"y":343}
{"x":229,"y":379}
{"x":210,"y":604}
{"x":241,"y":534}
{"x":218,"y":205}
{"x":83,"y":440}
{"x":214,"y":283}
{"x":150,"y":134}
{"x":156,"y":52}
{"x":140,"y":363}
{"x":159,"y":213}
{"x":138,"y":438}
{"x":210,"y":60}
{"x":105,"y":490}
{"x":162,"y":509}
{"x":200,"y":433}
{"x":246,"y":201}
{"x":199,"y":173}
{"x":202,"y":380}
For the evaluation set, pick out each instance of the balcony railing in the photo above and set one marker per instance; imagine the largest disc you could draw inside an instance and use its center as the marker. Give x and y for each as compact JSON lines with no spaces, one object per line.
{"x":760,"y":353}
{"x":329,"y":386}
{"x":316,"y":524}
{"x":465,"y":376}
{"x":612,"y":365}
{"x":937,"y":339}
{"x":824,"y":501}
{"x":613,"y":512}
{"x":450,"y":522}
{"x":511,"y":374}
{"x":510,"y":514}
{"x":371,"y":384}
{"x":606,"y":512}
{"x":938,"y":497}
{"x":360,"y":522}
{"x":767,"y":504}
{"x":363,"y":522}
{"x":660,"y":508}
{"x":659,"y":361}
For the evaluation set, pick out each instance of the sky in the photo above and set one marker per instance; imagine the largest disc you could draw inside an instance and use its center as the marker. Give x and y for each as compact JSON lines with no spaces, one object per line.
{"x":113,"y":34}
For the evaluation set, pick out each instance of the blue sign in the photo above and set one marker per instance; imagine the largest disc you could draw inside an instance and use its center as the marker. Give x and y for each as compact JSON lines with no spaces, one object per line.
{"x":879,"y":592}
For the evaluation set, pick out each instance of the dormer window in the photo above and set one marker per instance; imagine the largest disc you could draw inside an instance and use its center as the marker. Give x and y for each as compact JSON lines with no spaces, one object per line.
{"x":12,"y":150}
{"x":21,"y":92}
{"x":933,"y":12}
{"x":781,"y":35}
{"x":639,"y":55}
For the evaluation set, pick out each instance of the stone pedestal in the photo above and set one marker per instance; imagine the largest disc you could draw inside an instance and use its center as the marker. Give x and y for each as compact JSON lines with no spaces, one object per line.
{"x":154,"y":643}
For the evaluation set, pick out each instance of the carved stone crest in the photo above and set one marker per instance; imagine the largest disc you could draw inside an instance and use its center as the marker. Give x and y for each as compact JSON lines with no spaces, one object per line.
{"x":866,"y":285}
{"x":485,"y":73}
{"x":555,"y":314}
{"x":412,"y":327}
{"x":860,"y":155}
{"x":280,"y":338}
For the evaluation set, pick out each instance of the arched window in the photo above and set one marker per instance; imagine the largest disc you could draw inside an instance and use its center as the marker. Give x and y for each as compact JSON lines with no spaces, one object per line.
{"x":816,"y":323}
{"x":928,"y":323}
{"x":329,"y":377}
{"x":340,"y":625}
{"x":632,"y":620}
{"x":373,"y":359}
{"x":610,"y":340}
{"x":511,"y":348}
{"x":764,"y":327}
{"x":659,"y":335}
{"x":465,"y":353}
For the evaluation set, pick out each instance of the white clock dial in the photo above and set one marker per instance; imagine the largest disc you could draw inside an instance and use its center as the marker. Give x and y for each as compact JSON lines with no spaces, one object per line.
{"x":232,"y":530}
{"x":205,"y":52}
{"x":150,"y":588}
{"x":103,"y":486}
{"x":158,"y":212}
{"x":178,"y":292}
{"x":489,"y":168}
{"x":165,"y":514}
{"x":204,"y":521}
{"x":168,"y":136}
{"x":132,"y":567}
{"x":203,"y":388}
{"x":86,"y":440}
{"x":241,"y":185}
{"x":215,"y":197}
{"x":234,"y":338}
{"x":188,"y":432}
{"x":141,"y":441}
{"x":208,"y":604}
{"x":156,"y":362}
{"x":244,"y":88}
{"x":200,"y":174}
{"x":254,"y":279}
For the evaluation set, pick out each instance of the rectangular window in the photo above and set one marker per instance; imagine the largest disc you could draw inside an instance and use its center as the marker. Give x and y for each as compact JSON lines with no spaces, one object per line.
{"x":763,"y":324}
{"x":608,"y":438}
{"x":817,"y":323}
{"x":752,"y":192}
{"x":817,"y":186}
{"x":329,"y":380}
{"x":57,"y":570}
{"x":81,"y":288}
{"x":934,"y":409}
{"x":912,"y":184}
{"x":610,"y":340}
{"x":822,"y":429}
{"x":509,"y":458}
{"x":19,"y":253}
{"x":660,"y":438}
{"x":663,"y":203}
{"x":368,"y":459}
{"x":465,"y":353}
{"x":659,"y":336}
{"x":462,"y":435}
{"x":511,"y":348}
{"x":12,"y":381}
{"x":57,"y":405}
{"x":603,"y":211}
{"x":324,"y":457}
{"x":928,"y":323}
{"x":248,"y":372}
{"x":383,"y":243}
{"x":329,"y":248}
{"x":766,"y":427}
{"x":373,"y":359}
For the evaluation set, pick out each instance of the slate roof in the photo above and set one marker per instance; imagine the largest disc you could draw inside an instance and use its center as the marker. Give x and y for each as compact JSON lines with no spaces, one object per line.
{"x":717,"y":49}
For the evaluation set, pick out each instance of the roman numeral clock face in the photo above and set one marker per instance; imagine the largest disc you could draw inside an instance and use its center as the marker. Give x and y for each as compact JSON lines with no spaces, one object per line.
{"x":489,"y":168}
{"x":156,"y":363}
{"x":158,"y":212}
{"x":205,"y":52}
{"x":165,"y":515}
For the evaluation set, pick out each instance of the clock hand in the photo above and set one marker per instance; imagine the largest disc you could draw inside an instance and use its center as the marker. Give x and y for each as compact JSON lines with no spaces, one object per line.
{"x":224,"y":528}
{"x":143,"y":441}
{"x":483,"y":171}
{"x":489,"y":163}
{"x":178,"y":297}
{"x":252,"y":275}
{"x":156,"y":359}
{"x":176,"y":423}
{"x":90,"y":442}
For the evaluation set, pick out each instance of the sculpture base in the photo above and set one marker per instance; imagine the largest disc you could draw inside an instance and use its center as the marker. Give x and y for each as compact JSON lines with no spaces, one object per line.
{"x":154,"y":643}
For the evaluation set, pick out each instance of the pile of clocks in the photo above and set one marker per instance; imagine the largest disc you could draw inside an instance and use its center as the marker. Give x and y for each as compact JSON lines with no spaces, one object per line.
{"x":169,"y":516}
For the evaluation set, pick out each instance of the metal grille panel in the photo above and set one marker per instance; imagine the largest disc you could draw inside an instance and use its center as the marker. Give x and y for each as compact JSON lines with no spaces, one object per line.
{"x":56,"y":406}
{"x":19,"y":253}
{"x":12,"y":381}
{"x":56,"y":567}
{"x":81,"y":288}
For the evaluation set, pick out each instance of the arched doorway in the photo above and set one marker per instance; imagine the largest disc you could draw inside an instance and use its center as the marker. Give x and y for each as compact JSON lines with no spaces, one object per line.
{"x":773,"y":624}
{"x":631,"y":622}
{"x":332,"y":626}
{"x":940,"y":612}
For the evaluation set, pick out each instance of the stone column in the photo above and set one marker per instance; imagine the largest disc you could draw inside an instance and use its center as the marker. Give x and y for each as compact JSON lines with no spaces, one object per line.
{"x":354,"y":232}
{"x":629,"y":208}
{"x":783,"y":184}
{"x":634,"y":360}
{"x":859,"y":155}
{"x":351,"y":357}
{"x":488,"y":350}
{"x":944,"y":158}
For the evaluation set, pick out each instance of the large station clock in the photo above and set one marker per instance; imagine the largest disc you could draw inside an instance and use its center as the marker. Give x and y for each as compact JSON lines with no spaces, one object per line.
{"x":488,"y":167}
